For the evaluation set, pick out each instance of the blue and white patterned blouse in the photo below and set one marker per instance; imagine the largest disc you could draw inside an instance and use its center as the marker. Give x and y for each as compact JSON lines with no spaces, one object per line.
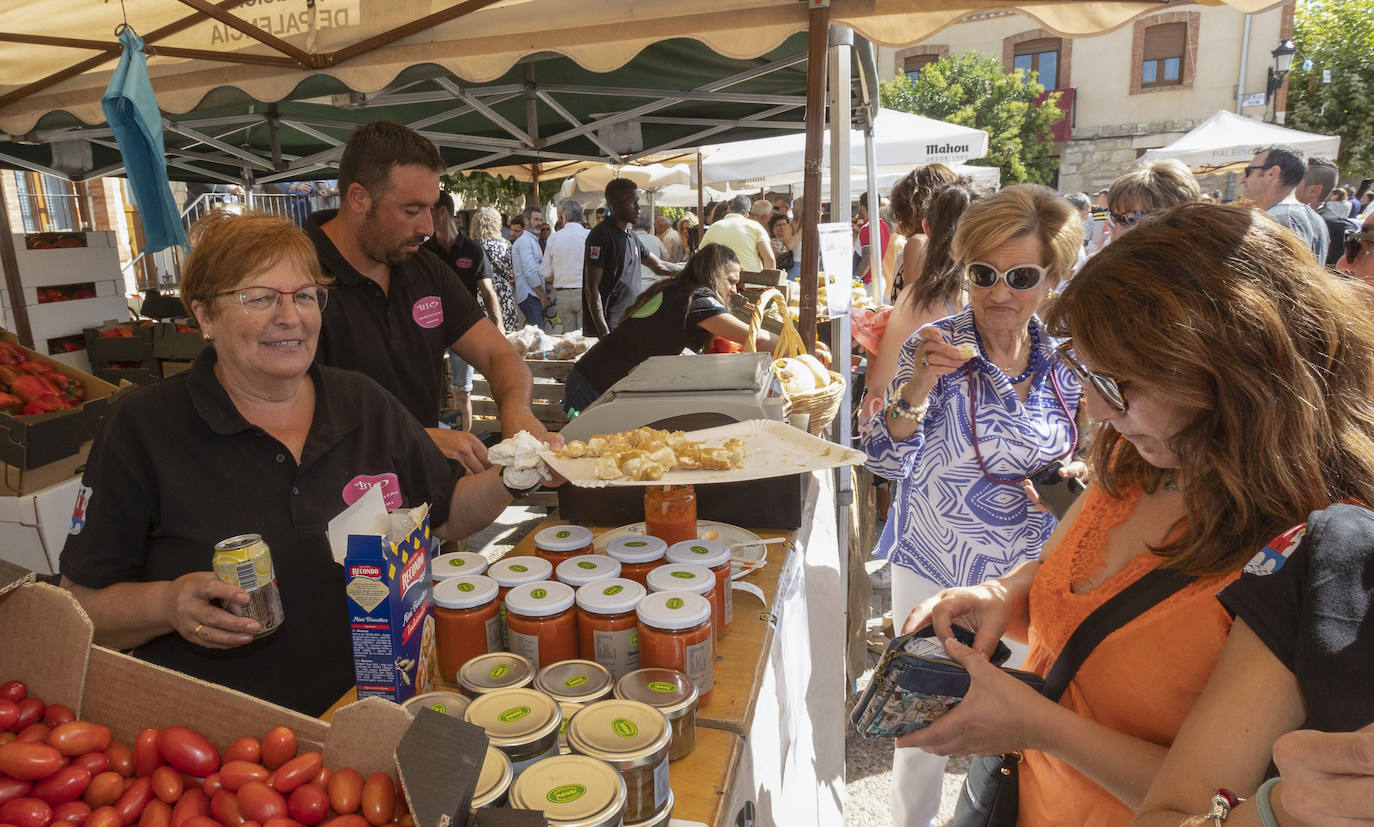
{"x":949,"y":523}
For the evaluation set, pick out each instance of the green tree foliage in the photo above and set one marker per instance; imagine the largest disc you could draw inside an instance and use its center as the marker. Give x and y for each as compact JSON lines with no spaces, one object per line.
{"x":971,"y":89}
{"x":1336,"y":35}
{"x":507,"y":195}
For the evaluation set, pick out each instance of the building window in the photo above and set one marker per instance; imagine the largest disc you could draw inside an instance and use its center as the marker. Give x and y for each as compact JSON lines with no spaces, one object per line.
{"x":1162,"y":63}
{"x":1039,"y":56}
{"x":913,"y":65}
{"x":45,"y":202}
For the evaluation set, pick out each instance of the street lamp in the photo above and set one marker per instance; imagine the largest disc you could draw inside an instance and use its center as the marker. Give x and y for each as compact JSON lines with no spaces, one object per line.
{"x":1283,"y":64}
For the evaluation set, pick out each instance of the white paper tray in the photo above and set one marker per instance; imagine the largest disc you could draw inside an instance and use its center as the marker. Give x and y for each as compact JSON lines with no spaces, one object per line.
{"x":772,"y":449}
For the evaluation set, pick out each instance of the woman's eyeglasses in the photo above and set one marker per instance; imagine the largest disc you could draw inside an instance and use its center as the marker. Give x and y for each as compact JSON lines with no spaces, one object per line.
{"x":1020,"y":277}
{"x":310,"y":299}
{"x":1354,"y":242}
{"x":1107,"y":387}
{"x":1128,"y":219}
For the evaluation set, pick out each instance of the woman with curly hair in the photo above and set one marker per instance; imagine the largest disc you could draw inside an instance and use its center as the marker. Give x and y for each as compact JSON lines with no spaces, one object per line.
{"x":486,"y":228}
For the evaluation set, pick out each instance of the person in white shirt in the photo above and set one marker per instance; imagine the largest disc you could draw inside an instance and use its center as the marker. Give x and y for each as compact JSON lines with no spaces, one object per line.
{"x":748,"y":239}
{"x":562,"y":266}
{"x":652,"y":244}
{"x":672,"y":242}
{"x":526,"y":258}
{"x":1274,"y":173}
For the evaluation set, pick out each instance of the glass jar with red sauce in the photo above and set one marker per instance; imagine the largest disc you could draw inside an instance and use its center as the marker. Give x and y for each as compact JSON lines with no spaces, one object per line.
{"x":715,"y":556}
{"x":606,"y":624}
{"x":638,"y":554}
{"x":467,"y":622}
{"x":586,"y":568}
{"x":512,"y":571}
{"x":559,"y":542}
{"x":670,"y":512}
{"x":541,"y":622}
{"x":688,"y":578}
{"x":675,"y":633}
{"x":456,"y":564}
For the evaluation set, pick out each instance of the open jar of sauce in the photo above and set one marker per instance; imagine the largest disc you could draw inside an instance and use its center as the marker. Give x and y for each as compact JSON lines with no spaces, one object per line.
{"x":670,"y":512}
{"x":675,"y":633}
{"x":632,"y":737}
{"x":522,"y":723}
{"x":715,"y":556}
{"x":493,"y":781}
{"x":496,"y":671}
{"x":672,"y":693}
{"x":586,"y":568}
{"x":559,"y":542}
{"x":509,"y":572}
{"x":572,"y":791}
{"x":607,"y":625}
{"x":456,"y":564}
{"x":541,"y":622}
{"x":638,"y":555}
{"x":691,"y":578}
{"x":467,"y":621}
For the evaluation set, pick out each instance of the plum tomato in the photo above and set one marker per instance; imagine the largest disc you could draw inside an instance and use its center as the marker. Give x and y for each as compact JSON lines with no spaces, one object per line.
{"x":379,"y":799}
{"x":75,"y":738}
{"x":147,"y":756}
{"x":346,"y":821}
{"x":167,"y":785}
{"x":278,"y":747}
{"x":14,"y":691}
{"x":193,"y":803}
{"x":26,"y":812}
{"x":73,"y":812}
{"x":104,"y":817}
{"x":323,"y":778}
{"x":282,"y":822}
{"x":260,"y":802}
{"x":35,"y":733}
{"x":346,"y":791}
{"x":297,"y":771}
{"x":27,"y":761}
{"x":157,"y":813}
{"x":121,"y":759}
{"x":224,"y":806}
{"x":67,"y":784}
{"x":136,"y":796}
{"x":96,"y":762}
{"x":188,"y":751}
{"x":234,"y":774}
{"x":9,"y":713}
{"x":246,"y":748}
{"x":30,"y":712}
{"x":104,"y":790}
{"x":211,"y":785}
{"x":11,"y":788}
{"x":308,"y":804}
{"x":57,"y":714}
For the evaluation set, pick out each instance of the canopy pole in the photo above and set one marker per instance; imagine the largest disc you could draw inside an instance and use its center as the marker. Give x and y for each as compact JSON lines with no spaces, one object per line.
{"x":876,"y":288}
{"x":12,"y":283}
{"x":701,"y":208}
{"x":819,"y":26}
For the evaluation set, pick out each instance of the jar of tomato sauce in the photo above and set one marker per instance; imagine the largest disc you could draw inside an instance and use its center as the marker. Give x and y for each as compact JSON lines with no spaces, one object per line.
{"x":691,"y":578}
{"x":509,"y":572}
{"x":586,"y":568}
{"x":638,"y":555}
{"x":467,"y":622}
{"x":675,"y":633}
{"x":456,"y":564}
{"x":542,"y":624}
{"x":715,"y":556}
{"x":670,"y":512}
{"x":606,"y":624}
{"x":559,"y":542}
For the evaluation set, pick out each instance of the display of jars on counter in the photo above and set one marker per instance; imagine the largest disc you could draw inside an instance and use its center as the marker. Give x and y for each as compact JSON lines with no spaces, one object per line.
{"x":541,"y":622}
{"x":634,"y":738}
{"x":586,"y":568}
{"x":688,"y":577}
{"x":522,"y":723}
{"x":670,"y":512}
{"x":715,"y":556}
{"x":572,"y":791}
{"x":675,"y":633}
{"x":558,"y":543}
{"x":672,"y":693}
{"x":467,"y":621}
{"x":606,"y":624}
{"x":638,"y":555}
{"x":493,"y":672}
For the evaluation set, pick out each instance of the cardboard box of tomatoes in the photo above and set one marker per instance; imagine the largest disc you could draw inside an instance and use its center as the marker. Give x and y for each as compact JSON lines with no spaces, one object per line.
{"x":116,"y":341}
{"x":177,"y":341}
{"x":64,"y":406}
{"x":197,"y":726}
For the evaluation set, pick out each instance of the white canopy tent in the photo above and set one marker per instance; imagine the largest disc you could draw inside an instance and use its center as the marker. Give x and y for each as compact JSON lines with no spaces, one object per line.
{"x":1227,"y":139}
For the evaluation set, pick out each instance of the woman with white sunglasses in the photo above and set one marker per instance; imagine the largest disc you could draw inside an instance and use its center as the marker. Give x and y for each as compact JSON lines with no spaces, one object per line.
{"x":977,"y":407}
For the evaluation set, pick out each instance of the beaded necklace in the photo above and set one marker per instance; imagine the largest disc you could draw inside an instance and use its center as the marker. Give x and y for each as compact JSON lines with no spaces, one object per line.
{"x":1032,"y":363}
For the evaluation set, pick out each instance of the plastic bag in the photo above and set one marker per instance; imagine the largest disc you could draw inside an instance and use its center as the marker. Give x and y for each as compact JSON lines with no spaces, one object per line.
{"x":867,"y":324}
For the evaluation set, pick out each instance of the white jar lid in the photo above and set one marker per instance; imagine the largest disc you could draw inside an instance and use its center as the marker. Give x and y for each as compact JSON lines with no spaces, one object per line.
{"x":541,"y":599}
{"x":637,"y":548}
{"x":674,"y":610}
{"x":457,"y":564}
{"x":564,"y":538}
{"x":464,"y":592}
{"x":611,"y":597}
{"x":683,"y":576}
{"x":587,"y":568}
{"x":512,"y":571}
{"x":708,"y":553}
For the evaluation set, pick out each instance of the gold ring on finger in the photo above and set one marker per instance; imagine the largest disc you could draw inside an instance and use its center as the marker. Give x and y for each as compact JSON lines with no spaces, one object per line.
{"x":196,"y":631}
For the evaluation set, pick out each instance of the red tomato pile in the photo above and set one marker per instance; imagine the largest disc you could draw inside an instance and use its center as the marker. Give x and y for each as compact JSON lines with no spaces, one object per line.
{"x":28,"y":387}
{"x":57,"y":771}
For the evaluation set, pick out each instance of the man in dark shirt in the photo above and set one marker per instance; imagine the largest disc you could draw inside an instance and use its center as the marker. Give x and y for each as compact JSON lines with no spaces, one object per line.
{"x":395,"y":307}
{"x":610,"y":278}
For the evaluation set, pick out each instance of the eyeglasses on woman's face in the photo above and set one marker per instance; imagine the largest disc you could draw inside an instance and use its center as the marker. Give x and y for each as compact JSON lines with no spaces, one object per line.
{"x":1021,"y":277}
{"x":309,"y":299}
{"x":1126,"y":219}
{"x":1107,"y":387}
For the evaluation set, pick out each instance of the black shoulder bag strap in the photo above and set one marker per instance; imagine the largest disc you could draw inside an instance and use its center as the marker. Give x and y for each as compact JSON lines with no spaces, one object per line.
{"x":989,"y":797}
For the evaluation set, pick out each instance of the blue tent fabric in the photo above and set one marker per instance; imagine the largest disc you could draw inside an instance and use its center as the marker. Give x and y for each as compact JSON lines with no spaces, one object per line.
{"x":131,"y":110}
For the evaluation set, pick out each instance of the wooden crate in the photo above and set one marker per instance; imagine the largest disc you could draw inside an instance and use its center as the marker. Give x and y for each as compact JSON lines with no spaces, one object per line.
{"x":550,"y":380}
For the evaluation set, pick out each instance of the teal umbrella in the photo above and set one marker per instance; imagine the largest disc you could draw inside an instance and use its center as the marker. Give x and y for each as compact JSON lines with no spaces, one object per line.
{"x":131,"y":110}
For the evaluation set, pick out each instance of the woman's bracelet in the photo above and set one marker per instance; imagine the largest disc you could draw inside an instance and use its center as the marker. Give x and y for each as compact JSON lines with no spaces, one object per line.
{"x":902,"y":409}
{"x":1266,"y":810}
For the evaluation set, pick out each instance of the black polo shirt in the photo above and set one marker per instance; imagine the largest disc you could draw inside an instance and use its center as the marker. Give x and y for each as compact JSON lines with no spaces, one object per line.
{"x":396,"y":337}
{"x":618,"y":253}
{"x":176,"y":469}
{"x":466,"y":258}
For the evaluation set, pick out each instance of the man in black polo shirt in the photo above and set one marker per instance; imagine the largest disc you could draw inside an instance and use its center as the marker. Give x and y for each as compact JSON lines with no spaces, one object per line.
{"x":610,"y":275}
{"x":393,"y":306}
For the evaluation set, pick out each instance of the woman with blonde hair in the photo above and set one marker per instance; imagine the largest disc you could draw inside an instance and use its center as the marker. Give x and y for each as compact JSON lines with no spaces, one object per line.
{"x":977,"y":406}
{"x":1229,"y":377}
{"x":486,"y":229}
{"x":908,"y":202}
{"x":1150,"y":188}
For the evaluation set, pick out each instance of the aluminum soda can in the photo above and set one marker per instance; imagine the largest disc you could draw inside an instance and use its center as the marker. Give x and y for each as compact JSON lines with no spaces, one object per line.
{"x":246,"y":561}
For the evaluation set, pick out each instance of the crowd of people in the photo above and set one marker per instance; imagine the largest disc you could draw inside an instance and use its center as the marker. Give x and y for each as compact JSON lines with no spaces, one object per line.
{"x":1205,"y":371}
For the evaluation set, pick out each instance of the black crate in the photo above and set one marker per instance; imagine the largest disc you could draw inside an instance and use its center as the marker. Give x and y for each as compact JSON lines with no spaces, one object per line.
{"x":122,"y":349}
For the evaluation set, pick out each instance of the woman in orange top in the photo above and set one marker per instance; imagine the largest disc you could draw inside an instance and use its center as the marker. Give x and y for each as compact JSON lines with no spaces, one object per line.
{"x":1229,"y":376}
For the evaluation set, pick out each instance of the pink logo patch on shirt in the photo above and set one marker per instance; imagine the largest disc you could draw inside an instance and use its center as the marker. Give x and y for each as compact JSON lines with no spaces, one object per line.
{"x":428,"y":312}
{"x":463,"y":261}
{"x":361,"y":484}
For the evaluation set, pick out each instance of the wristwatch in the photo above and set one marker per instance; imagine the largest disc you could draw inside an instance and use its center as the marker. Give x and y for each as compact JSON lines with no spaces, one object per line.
{"x":519,"y":493}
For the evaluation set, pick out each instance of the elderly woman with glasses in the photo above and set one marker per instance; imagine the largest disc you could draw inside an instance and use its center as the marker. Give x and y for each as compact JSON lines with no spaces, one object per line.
{"x":1221,"y":419}
{"x":254,"y":439}
{"x":978,"y":405}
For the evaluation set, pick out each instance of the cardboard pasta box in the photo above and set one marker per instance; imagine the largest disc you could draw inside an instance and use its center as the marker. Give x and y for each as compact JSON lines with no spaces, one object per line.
{"x":48,"y":645}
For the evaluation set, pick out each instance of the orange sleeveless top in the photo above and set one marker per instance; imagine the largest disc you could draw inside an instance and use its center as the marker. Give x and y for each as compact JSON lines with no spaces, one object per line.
{"x":1141,"y":680}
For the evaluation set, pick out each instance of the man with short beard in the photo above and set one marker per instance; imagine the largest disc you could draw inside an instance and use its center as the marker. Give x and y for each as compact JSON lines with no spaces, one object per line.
{"x":395,"y":307}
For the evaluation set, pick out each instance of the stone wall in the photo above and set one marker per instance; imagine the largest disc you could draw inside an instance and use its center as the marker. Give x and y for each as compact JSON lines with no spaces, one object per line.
{"x":1097,"y":155}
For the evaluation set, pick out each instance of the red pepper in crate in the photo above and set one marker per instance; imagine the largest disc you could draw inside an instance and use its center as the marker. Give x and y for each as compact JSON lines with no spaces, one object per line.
{"x":36,"y":368}
{"x":30,"y":388}
{"x":8,"y":374}
{"x":11,"y":354}
{"x":722,"y":345}
{"x":44,"y":404}
{"x":117,"y":333}
{"x":10,"y":404}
